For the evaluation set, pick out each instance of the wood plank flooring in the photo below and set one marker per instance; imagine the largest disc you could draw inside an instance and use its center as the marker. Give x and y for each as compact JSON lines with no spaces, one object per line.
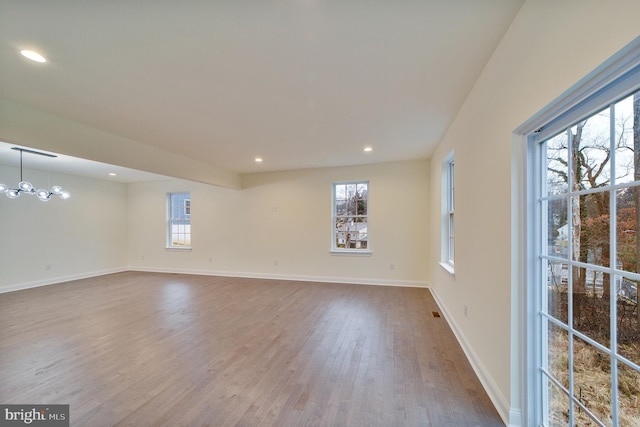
{"x":147,"y":349}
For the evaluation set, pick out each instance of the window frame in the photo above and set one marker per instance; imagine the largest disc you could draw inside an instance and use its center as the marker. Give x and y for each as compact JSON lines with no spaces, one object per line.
{"x":447,"y":229}
{"x":334,"y":217}
{"x":614,"y":80}
{"x":171,"y":222}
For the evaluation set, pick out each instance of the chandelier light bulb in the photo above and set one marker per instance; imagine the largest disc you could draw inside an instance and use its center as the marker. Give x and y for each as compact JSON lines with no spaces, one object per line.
{"x":56,"y":189}
{"x":25,"y":186}
{"x":3,"y":188}
{"x":65,"y":195}
{"x":13,"y":193}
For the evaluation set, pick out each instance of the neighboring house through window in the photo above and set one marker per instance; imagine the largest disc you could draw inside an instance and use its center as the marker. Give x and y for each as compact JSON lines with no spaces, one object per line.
{"x":178,"y":220}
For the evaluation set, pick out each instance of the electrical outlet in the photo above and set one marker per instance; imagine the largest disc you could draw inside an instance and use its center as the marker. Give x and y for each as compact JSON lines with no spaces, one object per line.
{"x":466,"y":311}
{"x":275,"y":262}
{"x":47,"y":267}
{"x":392,"y":266}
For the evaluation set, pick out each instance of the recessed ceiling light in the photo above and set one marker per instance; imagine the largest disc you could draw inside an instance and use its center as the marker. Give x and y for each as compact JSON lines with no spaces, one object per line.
{"x":258,"y":159}
{"x":112,"y":174}
{"x":34,"y":56}
{"x":368,"y":149}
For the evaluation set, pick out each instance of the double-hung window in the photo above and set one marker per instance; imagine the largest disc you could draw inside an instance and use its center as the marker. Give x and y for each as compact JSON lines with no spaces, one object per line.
{"x":447,"y":256}
{"x":350,"y":216}
{"x":179,"y":220}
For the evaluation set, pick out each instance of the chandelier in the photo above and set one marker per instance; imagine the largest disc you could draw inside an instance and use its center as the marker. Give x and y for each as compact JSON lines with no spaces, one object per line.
{"x":27,"y":188}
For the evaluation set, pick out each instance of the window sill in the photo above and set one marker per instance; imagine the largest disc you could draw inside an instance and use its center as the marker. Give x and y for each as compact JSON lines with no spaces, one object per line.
{"x":342,"y":252}
{"x":448,"y":268}
{"x":177,"y":248}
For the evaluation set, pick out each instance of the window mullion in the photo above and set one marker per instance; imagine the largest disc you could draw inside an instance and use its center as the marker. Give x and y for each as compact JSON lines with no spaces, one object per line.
{"x":539,"y":185}
{"x":570,"y":281}
{"x":613,"y":264}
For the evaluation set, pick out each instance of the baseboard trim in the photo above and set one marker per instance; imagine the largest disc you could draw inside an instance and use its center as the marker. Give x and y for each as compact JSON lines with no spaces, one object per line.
{"x":293,"y":277}
{"x":501,"y":404}
{"x":59,"y":279}
{"x":302,"y":278}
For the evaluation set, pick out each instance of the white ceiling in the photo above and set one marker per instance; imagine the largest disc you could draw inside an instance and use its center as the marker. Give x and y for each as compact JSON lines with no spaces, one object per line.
{"x":300,"y":83}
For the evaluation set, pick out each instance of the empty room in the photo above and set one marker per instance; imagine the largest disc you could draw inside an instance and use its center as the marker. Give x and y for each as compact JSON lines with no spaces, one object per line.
{"x":304,"y":212}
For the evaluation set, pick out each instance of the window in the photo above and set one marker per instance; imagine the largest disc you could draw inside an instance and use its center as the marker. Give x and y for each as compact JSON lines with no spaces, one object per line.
{"x":187,"y":207}
{"x":586,"y":264}
{"x":447,"y":257}
{"x":178,"y":220}
{"x":350,"y":216}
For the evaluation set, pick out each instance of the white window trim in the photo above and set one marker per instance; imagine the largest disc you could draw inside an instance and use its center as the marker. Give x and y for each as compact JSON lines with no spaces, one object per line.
{"x":168,"y":245}
{"x":349,"y":252}
{"x":447,"y":212}
{"x":178,"y":248}
{"x":587,"y":96}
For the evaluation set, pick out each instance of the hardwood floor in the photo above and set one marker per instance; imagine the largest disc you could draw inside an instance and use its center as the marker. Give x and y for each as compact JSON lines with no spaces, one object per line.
{"x":146,"y":349}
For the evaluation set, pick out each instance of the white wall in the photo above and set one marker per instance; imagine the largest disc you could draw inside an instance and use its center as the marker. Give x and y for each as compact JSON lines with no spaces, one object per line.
{"x":286,"y":217}
{"x":549,"y":47}
{"x":283,"y":217}
{"x":42,"y":243}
